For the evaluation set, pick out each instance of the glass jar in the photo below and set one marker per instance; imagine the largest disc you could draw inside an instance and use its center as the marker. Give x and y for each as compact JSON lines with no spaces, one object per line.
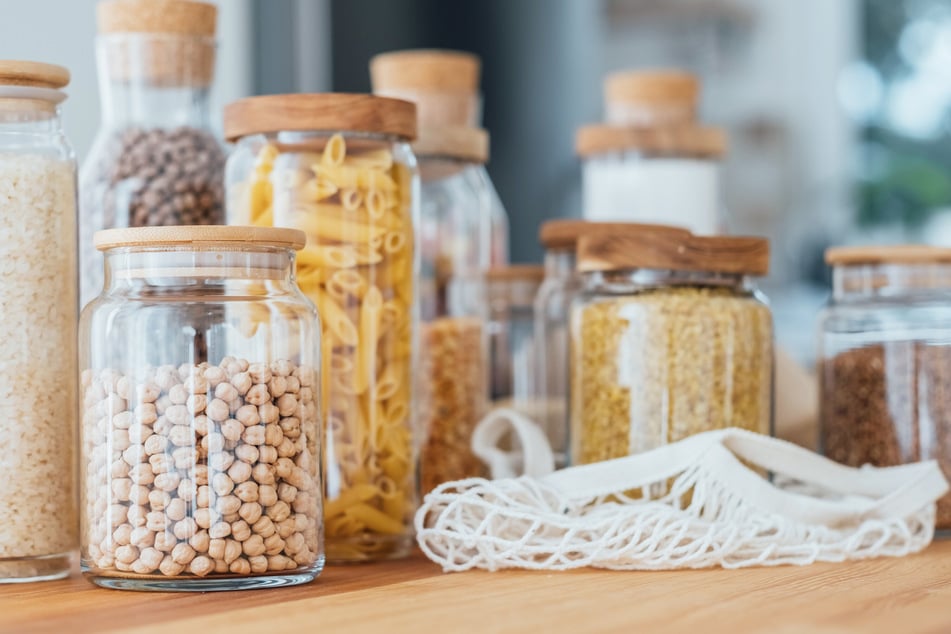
{"x":39,"y":296}
{"x":668,"y":339}
{"x":885,"y":359}
{"x":340,"y":168}
{"x":650,"y":162}
{"x":454,"y":250}
{"x":200,"y":428}
{"x":154,"y":161}
{"x":511,"y":294}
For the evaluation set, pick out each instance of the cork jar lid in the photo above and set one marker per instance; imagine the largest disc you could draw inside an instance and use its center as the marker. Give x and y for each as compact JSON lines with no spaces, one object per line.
{"x":182,"y":17}
{"x":893,"y":254}
{"x":199,"y":234}
{"x":691,"y":140}
{"x":652,"y":87}
{"x":426,"y":70}
{"x":33,"y":74}
{"x":565,"y":233}
{"x":455,"y":142}
{"x":643,"y":247}
{"x":328,"y":112}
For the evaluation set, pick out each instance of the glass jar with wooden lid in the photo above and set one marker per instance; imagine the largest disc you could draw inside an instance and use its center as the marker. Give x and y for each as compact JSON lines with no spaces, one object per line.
{"x":340,"y":168}
{"x":669,"y":338}
{"x":650,"y":161}
{"x":885,"y":359}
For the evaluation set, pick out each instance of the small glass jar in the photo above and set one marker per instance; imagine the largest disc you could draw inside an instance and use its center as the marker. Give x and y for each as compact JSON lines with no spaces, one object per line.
{"x":201,"y":427}
{"x":39,"y":295}
{"x":340,"y":168}
{"x":885,"y":359}
{"x":668,"y":339}
{"x":513,"y":361}
{"x":455,"y":254}
{"x":155,"y":160}
{"x":650,"y":162}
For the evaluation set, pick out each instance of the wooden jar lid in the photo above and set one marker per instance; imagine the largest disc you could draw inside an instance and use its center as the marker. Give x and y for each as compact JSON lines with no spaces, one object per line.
{"x":35,"y":74}
{"x":691,"y":140}
{"x":564,"y":234}
{"x":199,"y":234}
{"x":652,"y":87}
{"x":516,"y":272}
{"x":426,"y":70}
{"x":643,"y":247}
{"x":898,"y":254}
{"x":183,"y":17}
{"x":329,"y":112}
{"x":456,"y":142}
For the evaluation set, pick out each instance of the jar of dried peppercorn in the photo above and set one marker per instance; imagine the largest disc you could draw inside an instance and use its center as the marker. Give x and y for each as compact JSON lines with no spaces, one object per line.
{"x":668,"y":338}
{"x":885,"y":359}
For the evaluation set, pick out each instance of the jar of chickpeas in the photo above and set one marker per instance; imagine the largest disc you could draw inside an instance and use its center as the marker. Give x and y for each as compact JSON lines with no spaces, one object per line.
{"x":339,"y":167}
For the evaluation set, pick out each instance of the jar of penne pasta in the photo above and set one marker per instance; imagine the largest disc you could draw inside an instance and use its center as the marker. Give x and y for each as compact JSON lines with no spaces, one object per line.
{"x":340,"y":168}
{"x":200,"y":420}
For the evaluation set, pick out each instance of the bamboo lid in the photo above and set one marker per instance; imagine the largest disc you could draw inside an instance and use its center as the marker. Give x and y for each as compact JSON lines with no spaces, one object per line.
{"x":564,"y":234}
{"x":329,"y":112}
{"x":516,"y":272}
{"x":643,"y":247}
{"x":35,"y":74}
{"x":657,"y":88}
{"x":467,"y":144}
{"x":898,"y":254}
{"x":692,"y":141}
{"x":426,"y":70}
{"x":182,"y":17}
{"x":199,"y":234}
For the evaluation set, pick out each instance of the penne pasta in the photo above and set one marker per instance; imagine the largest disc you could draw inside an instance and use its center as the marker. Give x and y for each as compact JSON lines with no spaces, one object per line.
{"x":335,"y":151}
{"x":335,"y":320}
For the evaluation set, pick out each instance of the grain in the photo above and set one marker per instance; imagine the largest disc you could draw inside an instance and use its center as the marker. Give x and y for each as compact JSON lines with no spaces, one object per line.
{"x":452,"y":393}
{"x":655,"y":367}
{"x":889,"y":404}
{"x":199,"y":496}
{"x":38,"y":389}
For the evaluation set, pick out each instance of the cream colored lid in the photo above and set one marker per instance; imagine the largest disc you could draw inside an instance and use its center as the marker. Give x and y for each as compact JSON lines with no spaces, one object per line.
{"x":199,"y":234}
{"x":426,"y":70}
{"x":183,"y":17}
{"x":897,"y":254}
{"x":34,"y":74}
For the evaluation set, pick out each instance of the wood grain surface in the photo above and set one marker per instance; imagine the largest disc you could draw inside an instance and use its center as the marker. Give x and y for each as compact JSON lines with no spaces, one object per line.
{"x":907,"y":595}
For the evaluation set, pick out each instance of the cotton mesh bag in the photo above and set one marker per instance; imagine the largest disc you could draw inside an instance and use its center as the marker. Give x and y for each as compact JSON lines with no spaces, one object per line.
{"x":697,"y":503}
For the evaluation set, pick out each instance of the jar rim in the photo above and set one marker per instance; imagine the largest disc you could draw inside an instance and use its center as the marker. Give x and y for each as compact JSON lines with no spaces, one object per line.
{"x":109,"y":239}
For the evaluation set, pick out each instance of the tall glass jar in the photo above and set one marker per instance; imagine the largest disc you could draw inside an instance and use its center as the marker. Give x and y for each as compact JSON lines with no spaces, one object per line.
{"x":885,"y":359}
{"x":668,"y":339}
{"x":650,"y":161}
{"x":154,"y":161}
{"x":201,"y":428}
{"x":454,"y":248}
{"x":39,"y":296}
{"x":340,"y":168}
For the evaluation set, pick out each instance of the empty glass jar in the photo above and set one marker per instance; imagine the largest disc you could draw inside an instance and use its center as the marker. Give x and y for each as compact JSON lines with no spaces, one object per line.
{"x":668,"y":338}
{"x":200,"y":419}
{"x":885,"y":359}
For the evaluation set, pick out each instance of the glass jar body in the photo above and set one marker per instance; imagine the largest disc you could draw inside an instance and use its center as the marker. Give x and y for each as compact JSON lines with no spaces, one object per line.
{"x":355,"y":195}
{"x":455,"y":247}
{"x":39,"y":295}
{"x":657,"y":356}
{"x":885,"y":364}
{"x":155,"y":160}
{"x":631,"y":186}
{"x":552,"y":308}
{"x":512,"y":345}
{"x":201,"y":427}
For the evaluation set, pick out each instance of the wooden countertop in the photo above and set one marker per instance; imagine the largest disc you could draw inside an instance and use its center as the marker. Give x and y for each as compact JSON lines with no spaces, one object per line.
{"x":906,"y":595}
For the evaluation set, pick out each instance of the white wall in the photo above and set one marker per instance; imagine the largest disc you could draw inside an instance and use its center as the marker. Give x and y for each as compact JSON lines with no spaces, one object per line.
{"x":63,"y":32}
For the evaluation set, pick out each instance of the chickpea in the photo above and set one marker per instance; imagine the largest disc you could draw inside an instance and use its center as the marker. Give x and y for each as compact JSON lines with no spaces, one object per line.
{"x":155,"y":444}
{"x":267,"y":495}
{"x":248,"y":415}
{"x":250,"y":512}
{"x":231,"y":429}
{"x":202,"y":425}
{"x":162,"y":426}
{"x":259,"y":372}
{"x":183,"y":554}
{"x":253,"y":546}
{"x":156,"y":521}
{"x":294,"y":543}
{"x":160,"y":463}
{"x":220,"y":566}
{"x":170,"y":568}
{"x":199,"y":541}
{"x":120,"y":468}
{"x":215,"y":376}
{"x":147,"y":392}
{"x":217,"y":410}
{"x":181,"y":436}
{"x":273,"y":435}
{"x":122,"y":535}
{"x":122,"y":420}
{"x":200,"y":474}
{"x":228,"y":505}
{"x":203,"y":497}
{"x":240,"y":567}
{"x":240,"y":530}
{"x":286,"y":528}
{"x":277,"y":386}
{"x":258,"y":564}
{"x":264,"y":527}
{"x":220,"y":461}
{"x":151,"y":558}
{"x":121,"y":488}
{"x":205,"y":517}
{"x":196,"y":385}
{"x":177,"y":510}
{"x":127,"y":554}
{"x":254,"y":435}
{"x":185,"y":528}
{"x":213,"y":442}
{"x":286,"y":492}
{"x":269,"y":413}
{"x":178,"y":395}
{"x":167,"y":481}
{"x":240,"y":472}
{"x":222,"y":484}
{"x":242,"y":382}
{"x":142,"y":474}
{"x":226,"y":392}
{"x":196,"y":403}
{"x":293,"y":384}
{"x":134,"y":454}
{"x":136,"y":515}
{"x":216,"y":548}
{"x":233,"y":550}
{"x":165,"y":541}
{"x":267,"y":454}
{"x":201,"y":566}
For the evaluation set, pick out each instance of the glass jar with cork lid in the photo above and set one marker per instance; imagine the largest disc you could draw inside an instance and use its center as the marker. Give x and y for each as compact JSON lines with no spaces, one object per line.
{"x":650,"y":161}
{"x":340,"y":168}
{"x":39,"y":295}
{"x":669,"y":338}
{"x":200,"y":422}
{"x":155,"y":160}
{"x":885,"y":359}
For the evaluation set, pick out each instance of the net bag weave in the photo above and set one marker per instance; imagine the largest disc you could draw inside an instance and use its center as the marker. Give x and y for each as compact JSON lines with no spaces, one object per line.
{"x":696,"y":503}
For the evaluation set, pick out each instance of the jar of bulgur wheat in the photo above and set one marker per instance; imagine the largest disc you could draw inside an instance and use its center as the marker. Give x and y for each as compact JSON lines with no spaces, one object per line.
{"x":669,"y":338}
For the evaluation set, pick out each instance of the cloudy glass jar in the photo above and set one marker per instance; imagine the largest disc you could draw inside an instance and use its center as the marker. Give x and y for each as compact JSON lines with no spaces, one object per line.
{"x":669,"y":338}
{"x":200,"y":419}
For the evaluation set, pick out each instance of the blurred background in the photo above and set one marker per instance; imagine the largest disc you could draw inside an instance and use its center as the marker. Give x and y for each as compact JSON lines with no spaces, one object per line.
{"x":837,"y":111}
